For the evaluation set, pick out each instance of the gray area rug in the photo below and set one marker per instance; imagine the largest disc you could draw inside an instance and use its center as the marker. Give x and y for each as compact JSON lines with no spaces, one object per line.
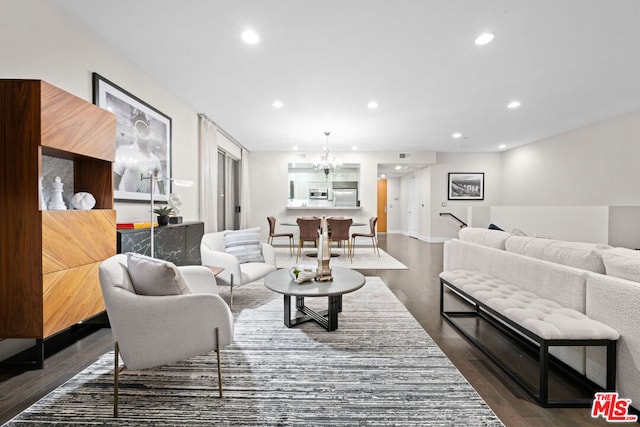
{"x":365,"y":258}
{"x":378,"y":368}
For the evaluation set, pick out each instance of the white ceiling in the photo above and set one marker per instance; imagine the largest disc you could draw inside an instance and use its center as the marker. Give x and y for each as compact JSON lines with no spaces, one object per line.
{"x":570,"y":63}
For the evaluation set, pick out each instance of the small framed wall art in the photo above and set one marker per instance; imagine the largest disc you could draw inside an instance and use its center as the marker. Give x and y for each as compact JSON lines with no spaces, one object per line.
{"x":466,"y":186}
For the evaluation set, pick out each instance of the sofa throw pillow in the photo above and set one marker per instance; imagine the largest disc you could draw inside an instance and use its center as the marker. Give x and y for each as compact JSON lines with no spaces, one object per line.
{"x":484,"y":236}
{"x":245,"y":245}
{"x":586,"y":256}
{"x":154,"y":277}
{"x":622,"y":263}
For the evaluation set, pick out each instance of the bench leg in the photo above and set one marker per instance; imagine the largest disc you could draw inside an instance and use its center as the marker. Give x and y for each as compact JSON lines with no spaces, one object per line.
{"x":543,"y":388}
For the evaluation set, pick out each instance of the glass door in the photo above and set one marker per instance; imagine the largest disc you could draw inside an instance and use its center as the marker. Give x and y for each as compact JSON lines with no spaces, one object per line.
{"x":228,"y":192}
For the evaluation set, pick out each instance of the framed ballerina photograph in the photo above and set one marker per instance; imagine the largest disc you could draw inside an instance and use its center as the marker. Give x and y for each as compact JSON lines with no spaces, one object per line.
{"x":143,"y":143}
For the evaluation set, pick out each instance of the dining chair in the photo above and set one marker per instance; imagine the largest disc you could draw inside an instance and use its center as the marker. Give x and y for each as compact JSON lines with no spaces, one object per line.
{"x":308,"y":232}
{"x":372,"y":235}
{"x":339,"y":232}
{"x":272,"y":234}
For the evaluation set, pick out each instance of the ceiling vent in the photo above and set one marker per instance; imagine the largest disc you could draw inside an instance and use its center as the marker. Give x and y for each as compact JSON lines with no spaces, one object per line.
{"x":404,"y":155}
{"x":301,"y":155}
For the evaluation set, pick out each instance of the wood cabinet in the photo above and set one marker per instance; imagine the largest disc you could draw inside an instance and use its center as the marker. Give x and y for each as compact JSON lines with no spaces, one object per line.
{"x":49,"y":259}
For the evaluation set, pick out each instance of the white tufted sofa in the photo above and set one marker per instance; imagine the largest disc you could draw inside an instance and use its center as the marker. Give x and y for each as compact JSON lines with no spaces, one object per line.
{"x":557,"y":289}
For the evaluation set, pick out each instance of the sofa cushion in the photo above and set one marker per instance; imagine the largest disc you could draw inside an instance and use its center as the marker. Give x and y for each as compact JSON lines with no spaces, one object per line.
{"x":586,"y":256}
{"x":485,"y":237}
{"x":154,"y":277}
{"x":245,"y":245}
{"x":622,"y":263}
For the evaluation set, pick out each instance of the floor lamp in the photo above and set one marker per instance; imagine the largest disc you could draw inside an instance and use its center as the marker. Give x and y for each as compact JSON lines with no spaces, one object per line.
{"x":151,"y":176}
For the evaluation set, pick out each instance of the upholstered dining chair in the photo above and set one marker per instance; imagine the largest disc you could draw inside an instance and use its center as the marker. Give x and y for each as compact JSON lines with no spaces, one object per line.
{"x":308,"y":232}
{"x":161,"y":314}
{"x":272,"y":234}
{"x":227,"y":249}
{"x":372,"y":235}
{"x":339,"y":232}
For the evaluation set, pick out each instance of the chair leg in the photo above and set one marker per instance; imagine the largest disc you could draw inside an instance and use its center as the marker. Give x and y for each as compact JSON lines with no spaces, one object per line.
{"x":219,"y":367}
{"x":231,"y":293}
{"x":353,"y":247}
{"x":290,"y":246}
{"x":299,"y":249}
{"x":376,"y":246}
{"x":116,"y":371}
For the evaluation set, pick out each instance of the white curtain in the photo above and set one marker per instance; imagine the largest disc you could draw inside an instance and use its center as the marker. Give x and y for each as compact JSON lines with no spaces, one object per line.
{"x":244,"y":190}
{"x":208,"y":146}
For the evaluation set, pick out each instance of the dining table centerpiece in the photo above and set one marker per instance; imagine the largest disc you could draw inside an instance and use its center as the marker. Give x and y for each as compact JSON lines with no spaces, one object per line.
{"x":323,"y":272}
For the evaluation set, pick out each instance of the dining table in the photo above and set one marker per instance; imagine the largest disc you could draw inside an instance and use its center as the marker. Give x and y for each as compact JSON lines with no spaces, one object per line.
{"x":315,"y":254}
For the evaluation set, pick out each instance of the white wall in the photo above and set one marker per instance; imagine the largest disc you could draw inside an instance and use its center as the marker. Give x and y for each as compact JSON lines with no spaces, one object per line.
{"x":443,"y":228}
{"x":572,"y":223}
{"x":593,"y":165}
{"x":624,"y":226}
{"x":42,"y":42}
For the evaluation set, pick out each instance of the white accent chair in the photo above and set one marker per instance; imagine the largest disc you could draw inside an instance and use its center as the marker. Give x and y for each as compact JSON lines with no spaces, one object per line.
{"x":152,"y":331}
{"x":212,"y":251}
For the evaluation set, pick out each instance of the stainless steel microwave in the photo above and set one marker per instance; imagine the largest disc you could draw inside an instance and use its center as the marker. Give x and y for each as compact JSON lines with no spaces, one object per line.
{"x":318,"y":193}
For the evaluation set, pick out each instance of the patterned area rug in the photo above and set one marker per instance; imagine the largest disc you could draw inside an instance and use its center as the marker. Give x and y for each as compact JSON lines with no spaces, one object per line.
{"x":378,"y":368}
{"x":364,"y":258}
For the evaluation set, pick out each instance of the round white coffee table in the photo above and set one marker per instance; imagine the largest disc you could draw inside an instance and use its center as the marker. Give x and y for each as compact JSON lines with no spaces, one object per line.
{"x":344,"y":281}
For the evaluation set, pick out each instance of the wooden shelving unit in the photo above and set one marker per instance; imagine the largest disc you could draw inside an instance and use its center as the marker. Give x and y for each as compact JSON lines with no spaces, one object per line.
{"x":49,"y":259}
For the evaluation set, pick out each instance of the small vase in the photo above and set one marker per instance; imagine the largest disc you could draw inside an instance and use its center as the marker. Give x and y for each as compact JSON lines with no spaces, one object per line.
{"x":163,"y":219}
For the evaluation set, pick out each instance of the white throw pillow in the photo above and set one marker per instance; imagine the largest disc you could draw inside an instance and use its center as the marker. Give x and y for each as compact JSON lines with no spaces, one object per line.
{"x":154,"y":277}
{"x":245,"y":245}
{"x":587,"y":256}
{"x":484,"y":236}
{"x":622,"y":263}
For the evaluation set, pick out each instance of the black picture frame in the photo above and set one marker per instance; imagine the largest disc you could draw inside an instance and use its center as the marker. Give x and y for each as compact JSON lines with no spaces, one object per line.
{"x":143,"y":143}
{"x":466,"y":186}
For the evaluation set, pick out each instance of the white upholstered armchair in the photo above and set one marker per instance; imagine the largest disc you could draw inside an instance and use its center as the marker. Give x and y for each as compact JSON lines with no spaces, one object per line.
{"x":157,"y":330}
{"x":214,"y":253}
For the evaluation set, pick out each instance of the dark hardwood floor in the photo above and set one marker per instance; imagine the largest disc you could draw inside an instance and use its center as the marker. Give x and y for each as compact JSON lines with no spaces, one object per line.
{"x":417,"y":288}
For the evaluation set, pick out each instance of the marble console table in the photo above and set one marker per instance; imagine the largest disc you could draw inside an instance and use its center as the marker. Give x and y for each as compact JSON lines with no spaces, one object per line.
{"x":178,"y":243}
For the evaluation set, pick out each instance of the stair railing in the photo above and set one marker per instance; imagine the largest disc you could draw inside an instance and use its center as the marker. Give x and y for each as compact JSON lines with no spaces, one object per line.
{"x":462,"y":223}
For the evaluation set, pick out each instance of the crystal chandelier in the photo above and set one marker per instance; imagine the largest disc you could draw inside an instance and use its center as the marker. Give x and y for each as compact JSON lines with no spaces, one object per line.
{"x":327,"y":163}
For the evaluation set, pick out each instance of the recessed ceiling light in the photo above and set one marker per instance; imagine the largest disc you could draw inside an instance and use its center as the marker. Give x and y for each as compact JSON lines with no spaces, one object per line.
{"x":398,"y":167}
{"x":277,"y":104}
{"x":502,"y":146}
{"x":383,"y":176}
{"x":484,"y":39}
{"x":456,"y":135}
{"x":354,"y":148}
{"x":250,"y":37}
{"x":372,"y":105}
{"x":295,"y":148}
{"x":513,"y":105}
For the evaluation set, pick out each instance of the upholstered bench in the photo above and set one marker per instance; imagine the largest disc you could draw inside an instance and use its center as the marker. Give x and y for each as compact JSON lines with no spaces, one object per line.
{"x":544,"y":322}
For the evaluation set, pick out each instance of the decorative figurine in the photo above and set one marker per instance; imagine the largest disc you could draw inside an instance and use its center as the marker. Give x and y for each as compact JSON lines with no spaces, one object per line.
{"x":175,"y":201}
{"x":323,"y":272}
{"x":83,"y":201}
{"x":56,"y":203}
